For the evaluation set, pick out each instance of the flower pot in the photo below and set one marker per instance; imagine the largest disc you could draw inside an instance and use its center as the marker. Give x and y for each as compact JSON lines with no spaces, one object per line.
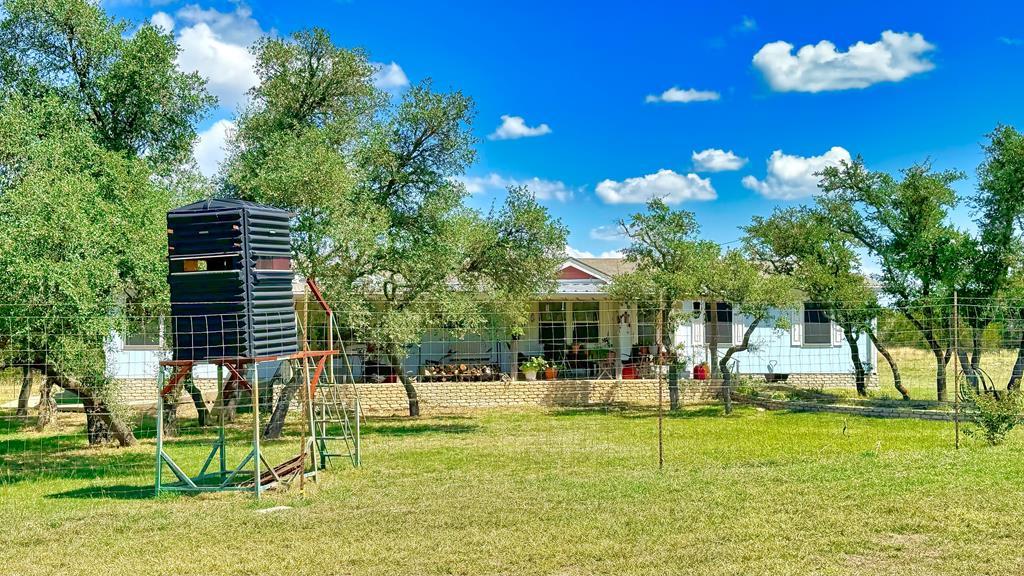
{"x":530,"y":375}
{"x":550,"y":373}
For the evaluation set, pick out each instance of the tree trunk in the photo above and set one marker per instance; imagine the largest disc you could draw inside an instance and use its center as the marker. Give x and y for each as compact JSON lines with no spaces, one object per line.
{"x":724,"y":364}
{"x":940,"y":370}
{"x":896,"y":380}
{"x":1018,"y":366}
{"x":26,"y":391}
{"x":96,"y":428}
{"x":410,"y":389}
{"x":275,"y":425}
{"x":104,"y":421}
{"x":970,"y":375}
{"x":859,"y":374}
{"x":197,"y":400}
{"x":47,"y":408}
{"x":170,"y":415}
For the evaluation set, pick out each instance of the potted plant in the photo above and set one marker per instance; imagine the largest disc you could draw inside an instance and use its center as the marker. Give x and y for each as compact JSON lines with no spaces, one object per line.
{"x":551,"y":371}
{"x":531,"y":366}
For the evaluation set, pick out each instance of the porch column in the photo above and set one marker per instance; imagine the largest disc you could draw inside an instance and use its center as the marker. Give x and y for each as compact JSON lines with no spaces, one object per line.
{"x":625,"y":337}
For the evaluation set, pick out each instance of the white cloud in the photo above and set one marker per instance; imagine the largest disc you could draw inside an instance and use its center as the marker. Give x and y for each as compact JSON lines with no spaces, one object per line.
{"x":665,"y":184}
{"x":237,"y":27}
{"x":513,"y":127}
{"x":716,"y":160}
{"x":675,"y":94}
{"x":574,"y":253}
{"x":389,"y":76}
{"x":820,"y":67}
{"x":790,"y":177}
{"x":606,"y":233}
{"x":542,"y":189}
{"x":216,"y":45}
{"x":210,"y":147}
{"x":163,"y":21}
{"x":747,"y":24}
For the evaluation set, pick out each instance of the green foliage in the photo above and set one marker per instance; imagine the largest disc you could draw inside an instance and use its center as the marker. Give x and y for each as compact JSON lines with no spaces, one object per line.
{"x":95,"y":126}
{"x":381,"y":215}
{"x":535,"y":363}
{"x":995,"y":415}
{"x":904,"y":223}
{"x":126,"y":86}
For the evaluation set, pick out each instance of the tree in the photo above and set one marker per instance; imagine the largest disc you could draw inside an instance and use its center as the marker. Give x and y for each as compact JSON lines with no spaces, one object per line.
{"x":904,"y":224}
{"x":94,"y":127}
{"x":673,"y":264}
{"x":758,"y":294}
{"x":381,"y":220}
{"x":997,"y":269}
{"x":669,"y":257}
{"x":801,"y":243}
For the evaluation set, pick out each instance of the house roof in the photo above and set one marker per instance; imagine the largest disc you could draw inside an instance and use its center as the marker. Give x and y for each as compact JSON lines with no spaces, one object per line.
{"x":588,"y":276}
{"x":608,"y":266}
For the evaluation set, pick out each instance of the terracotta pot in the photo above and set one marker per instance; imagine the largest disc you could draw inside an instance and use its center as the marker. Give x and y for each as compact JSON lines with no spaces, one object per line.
{"x":551,"y":373}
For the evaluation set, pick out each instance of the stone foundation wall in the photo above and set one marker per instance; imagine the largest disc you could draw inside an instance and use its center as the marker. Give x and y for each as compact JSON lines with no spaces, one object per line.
{"x":818,"y":380}
{"x":143,"y":392}
{"x":390,"y":398}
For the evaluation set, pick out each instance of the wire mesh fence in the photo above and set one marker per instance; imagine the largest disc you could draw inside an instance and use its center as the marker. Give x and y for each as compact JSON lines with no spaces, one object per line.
{"x":69,"y":385}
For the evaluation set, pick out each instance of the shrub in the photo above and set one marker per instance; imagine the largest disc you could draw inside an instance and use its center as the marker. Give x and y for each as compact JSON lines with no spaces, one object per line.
{"x":995,"y":414}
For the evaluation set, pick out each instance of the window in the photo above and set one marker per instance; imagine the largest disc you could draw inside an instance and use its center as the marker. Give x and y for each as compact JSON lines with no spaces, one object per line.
{"x":646,"y":326}
{"x":552,"y":323}
{"x":585,"y":322}
{"x":817,"y":325}
{"x":280,"y":263}
{"x":722,"y":317}
{"x":143,"y":334}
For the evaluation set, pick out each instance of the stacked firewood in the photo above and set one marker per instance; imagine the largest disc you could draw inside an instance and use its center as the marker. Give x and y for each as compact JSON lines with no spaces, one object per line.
{"x":461,"y":371}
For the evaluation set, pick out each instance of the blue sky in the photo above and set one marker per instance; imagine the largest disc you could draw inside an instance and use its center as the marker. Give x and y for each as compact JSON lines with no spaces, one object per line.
{"x":599,"y":106}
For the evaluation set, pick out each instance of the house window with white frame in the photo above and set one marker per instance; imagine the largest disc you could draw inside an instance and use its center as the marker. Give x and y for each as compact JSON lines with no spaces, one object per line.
{"x":143,"y":334}
{"x":646,"y":325}
{"x":722,"y":316}
{"x":817,"y":325}
{"x":552,"y":323}
{"x":585,"y":322}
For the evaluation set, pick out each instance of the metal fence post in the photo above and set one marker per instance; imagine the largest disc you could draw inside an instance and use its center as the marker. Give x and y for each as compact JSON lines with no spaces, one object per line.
{"x":956,"y":370}
{"x":257,"y":457}
{"x":159,"y":428}
{"x":358,"y":436}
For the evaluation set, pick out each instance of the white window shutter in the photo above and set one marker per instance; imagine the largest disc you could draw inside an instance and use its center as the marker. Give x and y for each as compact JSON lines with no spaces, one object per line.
{"x":837,"y":335}
{"x":796,"y":330}
{"x":697,"y":324}
{"x":738,"y":329}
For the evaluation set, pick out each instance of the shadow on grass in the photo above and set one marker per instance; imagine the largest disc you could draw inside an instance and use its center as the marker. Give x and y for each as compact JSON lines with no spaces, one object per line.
{"x":413,"y":428}
{"x":642,"y":413}
{"x":115,"y":492}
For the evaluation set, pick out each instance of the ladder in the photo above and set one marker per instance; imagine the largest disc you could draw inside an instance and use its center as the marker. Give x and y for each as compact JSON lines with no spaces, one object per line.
{"x":334,"y":424}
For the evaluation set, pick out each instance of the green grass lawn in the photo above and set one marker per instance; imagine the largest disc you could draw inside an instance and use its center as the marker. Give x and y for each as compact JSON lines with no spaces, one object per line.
{"x":575,"y":492}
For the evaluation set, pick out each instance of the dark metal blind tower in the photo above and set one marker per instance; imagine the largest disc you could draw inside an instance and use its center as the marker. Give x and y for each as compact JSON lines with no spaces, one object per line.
{"x":230,"y":278}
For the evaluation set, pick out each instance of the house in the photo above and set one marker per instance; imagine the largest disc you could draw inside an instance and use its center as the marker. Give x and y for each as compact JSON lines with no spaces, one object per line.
{"x":812,"y":351}
{"x":613,"y":340}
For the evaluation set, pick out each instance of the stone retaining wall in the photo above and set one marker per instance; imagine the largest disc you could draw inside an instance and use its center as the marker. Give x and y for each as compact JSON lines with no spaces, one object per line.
{"x":390,"y":398}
